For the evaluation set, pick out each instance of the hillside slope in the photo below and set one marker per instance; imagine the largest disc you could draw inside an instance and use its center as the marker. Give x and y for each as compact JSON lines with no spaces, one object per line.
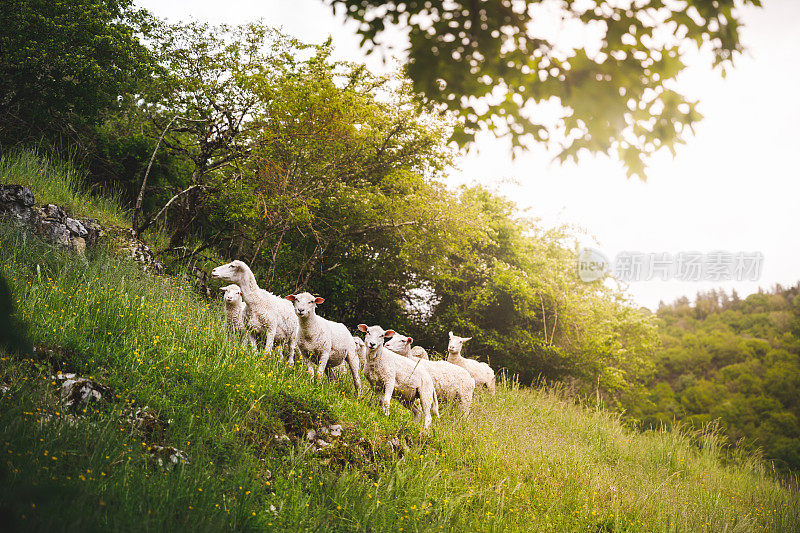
{"x":527,"y":460}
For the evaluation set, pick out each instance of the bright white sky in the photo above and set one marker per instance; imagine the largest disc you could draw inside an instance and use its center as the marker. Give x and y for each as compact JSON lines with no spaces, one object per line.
{"x":735,"y":186}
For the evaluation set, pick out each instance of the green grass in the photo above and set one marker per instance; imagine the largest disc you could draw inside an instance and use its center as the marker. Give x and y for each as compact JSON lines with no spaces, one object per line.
{"x":526,"y":460}
{"x":59,"y":183}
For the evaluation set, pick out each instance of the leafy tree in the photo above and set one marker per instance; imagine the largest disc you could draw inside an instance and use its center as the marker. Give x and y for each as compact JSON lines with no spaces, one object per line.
{"x":216,"y":79}
{"x":734,"y":360}
{"x":610,"y":65}
{"x":63,"y":63}
{"x":513,"y":287}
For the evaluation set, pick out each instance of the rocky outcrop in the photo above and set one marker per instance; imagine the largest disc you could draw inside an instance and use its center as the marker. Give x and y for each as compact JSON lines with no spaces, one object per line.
{"x":49,"y":221}
{"x":52,"y":223}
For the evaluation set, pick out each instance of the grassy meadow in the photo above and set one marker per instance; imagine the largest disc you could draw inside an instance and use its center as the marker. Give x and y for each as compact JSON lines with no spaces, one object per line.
{"x":525,"y":460}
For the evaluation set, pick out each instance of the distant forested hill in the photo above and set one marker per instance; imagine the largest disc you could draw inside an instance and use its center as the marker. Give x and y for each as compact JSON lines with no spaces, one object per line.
{"x":735,"y":360}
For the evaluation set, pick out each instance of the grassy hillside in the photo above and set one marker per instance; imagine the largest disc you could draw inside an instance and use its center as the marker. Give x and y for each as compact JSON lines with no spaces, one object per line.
{"x":527,"y":460}
{"x":59,"y":183}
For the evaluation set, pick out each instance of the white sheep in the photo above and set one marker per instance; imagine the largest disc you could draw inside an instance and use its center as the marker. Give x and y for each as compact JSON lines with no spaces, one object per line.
{"x":234,"y":308}
{"x":419,"y":351}
{"x":269,"y":316}
{"x":405,"y":348}
{"x":390,"y":373}
{"x":452,"y":382}
{"x":324,"y":341}
{"x":361,"y":350}
{"x":400,"y":344}
{"x":483,"y":373}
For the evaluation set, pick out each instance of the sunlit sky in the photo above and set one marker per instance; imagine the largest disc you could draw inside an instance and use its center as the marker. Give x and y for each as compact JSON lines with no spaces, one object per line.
{"x":733,"y":187}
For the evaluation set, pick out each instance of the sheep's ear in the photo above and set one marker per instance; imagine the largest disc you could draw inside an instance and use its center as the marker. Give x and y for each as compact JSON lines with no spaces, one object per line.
{"x":362,"y":327}
{"x":389,"y":333}
{"x":465,"y":339}
{"x":318,"y":300}
{"x":291,"y":297}
{"x":409,"y":340}
{"x":450,"y":333}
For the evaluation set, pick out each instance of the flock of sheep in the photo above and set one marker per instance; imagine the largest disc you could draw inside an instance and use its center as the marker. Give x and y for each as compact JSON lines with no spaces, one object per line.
{"x":387,"y":359}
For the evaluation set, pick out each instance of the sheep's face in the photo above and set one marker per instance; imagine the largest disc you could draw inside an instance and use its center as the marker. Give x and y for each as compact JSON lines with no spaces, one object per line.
{"x":233,"y":271}
{"x":400,"y":344}
{"x":456,"y":343}
{"x":375,"y":336}
{"x":359,"y":343}
{"x":233,"y":294}
{"x":304,"y":303}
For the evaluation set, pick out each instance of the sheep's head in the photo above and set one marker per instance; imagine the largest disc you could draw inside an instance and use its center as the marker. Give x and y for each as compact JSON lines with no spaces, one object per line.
{"x":234,"y":272}
{"x":232,"y":294}
{"x":361,"y":348}
{"x":304,"y":303}
{"x":456,"y":343}
{"x":375,"y":336}
{"x":400,"y":344}
{"x":359,"y":343}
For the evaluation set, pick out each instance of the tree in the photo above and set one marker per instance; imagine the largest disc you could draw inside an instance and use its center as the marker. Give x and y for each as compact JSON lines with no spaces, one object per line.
{"x":610,"y":65}
{"x":513,"y":287}
{"x":63,"y":63}
{"x":216,"y":79}
{"x":738,"y":363}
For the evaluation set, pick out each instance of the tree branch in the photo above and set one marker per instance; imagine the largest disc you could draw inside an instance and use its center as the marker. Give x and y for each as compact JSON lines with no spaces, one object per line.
{"x":161,"y":212}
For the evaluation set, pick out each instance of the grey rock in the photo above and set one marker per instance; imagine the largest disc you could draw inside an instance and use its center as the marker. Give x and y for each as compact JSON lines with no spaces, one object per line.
{"x":55,"y":232}
{"x":336,"y":430}
{"x":17,"y":194}
{"x":79,"y":245}
{"x":78,"y":393}
{"x":167,"y":456}
{"x":18,"y":203}
{"x":63,"y":376}
{"x":76,"y":228}
{"x":54,"y":212}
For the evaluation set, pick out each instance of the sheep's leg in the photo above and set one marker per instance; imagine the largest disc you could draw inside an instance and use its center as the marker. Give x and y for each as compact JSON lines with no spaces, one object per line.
{"x":464,"y":400}
{"x":330,"y":373}
{"x":270,"y":339}
{"x":354,"y":363}
{"x":292,"y":347}
{"x":387,"y":396}
{"x":415,"y":409}
{"x":323,"y":362}
{"x":426,"y":402}
{"x":252,"y":339}
{"x":428,"y":418}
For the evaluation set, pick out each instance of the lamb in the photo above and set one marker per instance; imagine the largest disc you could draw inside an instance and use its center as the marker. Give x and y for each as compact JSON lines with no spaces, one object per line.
{"x":450,"y":381}
{"x":405,"y":348}
{"x":483,"y":373}
{"x":419,"y":351}
{"x":269,"y":316}
{"x":361,"y":350}
{"x":324,"y":341}
{"x":390,"y":373}
{"x":235,"y":315}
